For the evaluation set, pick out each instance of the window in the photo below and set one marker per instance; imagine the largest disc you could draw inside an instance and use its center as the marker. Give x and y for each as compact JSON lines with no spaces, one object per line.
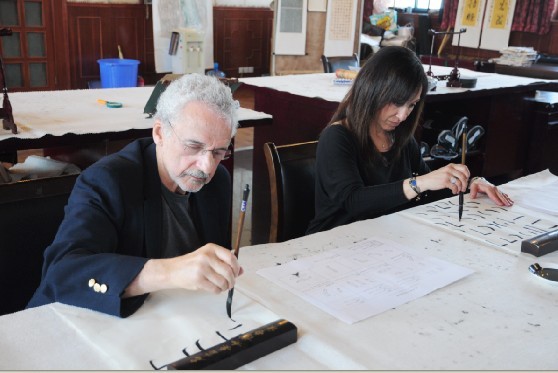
{"x":24,"y":53}
{"x":418,"y":4}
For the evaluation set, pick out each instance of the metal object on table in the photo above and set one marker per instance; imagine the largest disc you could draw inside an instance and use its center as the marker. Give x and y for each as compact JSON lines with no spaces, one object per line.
{"x":6,"y":111}
{"x":542,"y":244}
{"x":453,"y":78}
{"x":550,"y":274}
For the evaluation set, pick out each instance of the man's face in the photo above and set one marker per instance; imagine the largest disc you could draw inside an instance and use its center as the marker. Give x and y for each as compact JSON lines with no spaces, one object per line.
{"x":188,"y":154}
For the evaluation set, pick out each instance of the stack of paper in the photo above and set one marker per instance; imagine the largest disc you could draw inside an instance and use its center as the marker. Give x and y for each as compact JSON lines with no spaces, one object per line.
{"x":517,"y":56}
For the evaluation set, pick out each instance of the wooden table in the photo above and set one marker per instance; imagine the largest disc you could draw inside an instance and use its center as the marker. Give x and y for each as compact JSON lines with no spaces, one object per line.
{"x":537,"y":70}
{"x":70,"y":126}
{"x":500,"y":317}
{"x":74,"y":120}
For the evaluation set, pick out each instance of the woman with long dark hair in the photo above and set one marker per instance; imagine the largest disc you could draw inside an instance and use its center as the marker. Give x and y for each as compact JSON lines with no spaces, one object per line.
{"x":368,"y":162}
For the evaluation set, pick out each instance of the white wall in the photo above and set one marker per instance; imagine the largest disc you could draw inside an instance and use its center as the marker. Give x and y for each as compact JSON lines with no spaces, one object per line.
{"x":240,"y":3}
{"x":243,"y":3}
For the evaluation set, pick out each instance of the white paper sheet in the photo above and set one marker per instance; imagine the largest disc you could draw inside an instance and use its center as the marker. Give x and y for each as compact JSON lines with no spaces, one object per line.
{"x":170,"y":324}
{"x":361,"y":280}
{"x":543,"y":198}
{"x":501,"y":227}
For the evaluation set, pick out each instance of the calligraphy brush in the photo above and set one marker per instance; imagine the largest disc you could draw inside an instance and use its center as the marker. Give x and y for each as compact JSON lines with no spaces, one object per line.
{"x":463,"y":152}
{"x":238,"y":236}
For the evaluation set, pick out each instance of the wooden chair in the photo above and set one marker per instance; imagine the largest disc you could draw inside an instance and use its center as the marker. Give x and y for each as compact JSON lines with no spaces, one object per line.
{"x":333,"y":63}
{"x":291,"y":178}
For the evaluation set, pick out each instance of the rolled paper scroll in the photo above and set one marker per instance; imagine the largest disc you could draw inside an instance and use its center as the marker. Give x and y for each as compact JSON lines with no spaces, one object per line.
{"x":345,"y":74}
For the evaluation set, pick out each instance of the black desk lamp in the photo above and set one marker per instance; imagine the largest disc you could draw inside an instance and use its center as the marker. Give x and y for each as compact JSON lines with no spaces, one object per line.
{"x":433,"y":33}
{"x":453,"y":79}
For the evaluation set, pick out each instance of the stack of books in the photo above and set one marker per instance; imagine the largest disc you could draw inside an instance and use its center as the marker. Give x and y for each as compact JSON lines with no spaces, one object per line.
{"x":517,"y":56}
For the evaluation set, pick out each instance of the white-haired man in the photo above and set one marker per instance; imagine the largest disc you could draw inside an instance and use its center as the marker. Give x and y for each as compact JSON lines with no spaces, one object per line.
{"x":154,"y":215}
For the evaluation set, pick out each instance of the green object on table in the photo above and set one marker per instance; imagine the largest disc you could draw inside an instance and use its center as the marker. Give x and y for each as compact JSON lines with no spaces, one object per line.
{"x":110,"y":104}
{"x":151,"y":106}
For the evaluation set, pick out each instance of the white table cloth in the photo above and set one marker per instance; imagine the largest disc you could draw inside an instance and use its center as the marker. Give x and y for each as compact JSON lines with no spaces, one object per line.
{"x":321,"y":85}
{"x":57,"y":113}
{"x":501,"y":317}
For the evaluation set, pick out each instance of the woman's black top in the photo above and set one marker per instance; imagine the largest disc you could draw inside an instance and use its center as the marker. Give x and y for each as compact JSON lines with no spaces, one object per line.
{"x":345,"y":194}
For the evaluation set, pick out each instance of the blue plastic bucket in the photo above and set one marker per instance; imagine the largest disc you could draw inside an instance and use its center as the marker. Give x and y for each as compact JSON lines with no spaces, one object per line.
{"x":117,"y":72}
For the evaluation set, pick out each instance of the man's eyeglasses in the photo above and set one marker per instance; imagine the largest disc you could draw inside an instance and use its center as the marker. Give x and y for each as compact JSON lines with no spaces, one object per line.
{"x":194,"y":150}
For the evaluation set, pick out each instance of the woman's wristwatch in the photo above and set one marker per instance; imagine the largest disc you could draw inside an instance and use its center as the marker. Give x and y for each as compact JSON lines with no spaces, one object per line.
{"x":414,"y":186}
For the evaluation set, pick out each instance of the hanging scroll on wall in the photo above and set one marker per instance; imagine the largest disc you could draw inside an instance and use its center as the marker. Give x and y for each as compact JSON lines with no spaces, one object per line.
{"x":497,"y":24}
{"x":290,"y":27}
{"x":340,"y":28}
{"x":469,"y":16}
{"x":488,"y":23}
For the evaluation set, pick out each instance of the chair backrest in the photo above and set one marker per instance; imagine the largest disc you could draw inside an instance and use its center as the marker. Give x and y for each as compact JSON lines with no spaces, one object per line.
{"x":333,"y":63}
{"x":291,"y":179}
{"x":30,"y":214}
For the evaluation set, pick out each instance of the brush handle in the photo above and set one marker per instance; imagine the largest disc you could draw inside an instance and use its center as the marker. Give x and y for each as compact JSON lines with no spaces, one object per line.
{"x":464,"y":145}
{"x":241,"y":217}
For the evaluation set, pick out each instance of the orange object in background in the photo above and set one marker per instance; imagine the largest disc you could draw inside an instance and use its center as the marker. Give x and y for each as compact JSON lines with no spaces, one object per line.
{"x":345,"y":74}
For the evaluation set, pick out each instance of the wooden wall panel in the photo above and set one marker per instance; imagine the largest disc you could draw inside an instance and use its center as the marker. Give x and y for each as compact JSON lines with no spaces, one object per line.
{"x":149,"y":72}
{"x":541,"y":43}
{"x":88,"y":47}
{"x":96,"y":30}
{"x":126,"y":34}
{"x":61,"y":44}
{"x":242,"y":38}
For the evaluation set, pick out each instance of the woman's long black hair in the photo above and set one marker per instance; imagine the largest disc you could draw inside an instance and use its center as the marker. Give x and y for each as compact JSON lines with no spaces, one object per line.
{"x":393,"y":75}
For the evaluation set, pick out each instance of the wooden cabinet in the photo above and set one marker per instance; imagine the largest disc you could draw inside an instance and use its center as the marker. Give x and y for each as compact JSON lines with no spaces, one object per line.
{"x":543,"y":132}
{"x":242,"y":38}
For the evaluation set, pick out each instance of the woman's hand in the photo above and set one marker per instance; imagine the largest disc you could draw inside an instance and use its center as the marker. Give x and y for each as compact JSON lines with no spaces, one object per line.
{"x":453,"y":176}
{"x":480,"y":184}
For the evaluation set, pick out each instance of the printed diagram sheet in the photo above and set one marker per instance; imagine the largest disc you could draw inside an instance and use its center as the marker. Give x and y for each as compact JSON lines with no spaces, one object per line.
{"x":495,"y":225}
{"x":364,"y":279}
